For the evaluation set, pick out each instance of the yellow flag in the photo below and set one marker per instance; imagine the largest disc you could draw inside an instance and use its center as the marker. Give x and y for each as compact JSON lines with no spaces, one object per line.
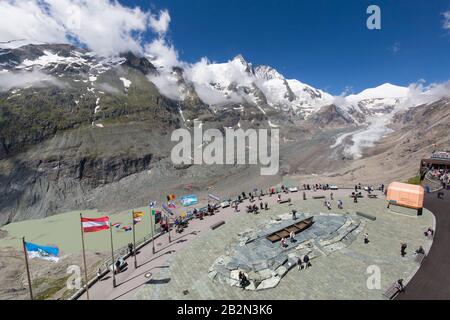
{"x":138,"y":214}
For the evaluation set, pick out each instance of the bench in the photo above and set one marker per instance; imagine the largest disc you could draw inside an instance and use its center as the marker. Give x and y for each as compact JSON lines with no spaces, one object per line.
{"x":318,"y":197}
{"x":285,"y":201}
{"x":217,"y":225}
{"x":372,"y":196}
{"x":366,"y":215}
{"x":392,"y":292}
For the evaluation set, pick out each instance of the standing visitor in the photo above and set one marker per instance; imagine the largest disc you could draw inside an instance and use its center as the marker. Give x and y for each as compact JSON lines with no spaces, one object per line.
{"x":299,"y":263}
{"x":403,"y":249}
{"x":306,"y":261}
{"x":366,"y":238}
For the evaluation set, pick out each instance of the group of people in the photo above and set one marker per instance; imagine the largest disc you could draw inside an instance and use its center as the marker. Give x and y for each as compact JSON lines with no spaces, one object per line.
{"x":283,"y":240}
{"x":316,"y":186}
{"x":440,"y":174}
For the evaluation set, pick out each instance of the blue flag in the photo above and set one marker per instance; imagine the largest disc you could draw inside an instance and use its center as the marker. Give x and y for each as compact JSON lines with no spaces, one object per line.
{"x":42,"y":252}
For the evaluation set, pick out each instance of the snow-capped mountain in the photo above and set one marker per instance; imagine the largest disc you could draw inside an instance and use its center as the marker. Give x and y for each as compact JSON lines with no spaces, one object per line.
{"x":238,"y":82}
{"x":202,"y":87}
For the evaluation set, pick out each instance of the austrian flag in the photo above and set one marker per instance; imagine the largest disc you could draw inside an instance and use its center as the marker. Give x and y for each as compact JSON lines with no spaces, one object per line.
{"x":95,"y":224}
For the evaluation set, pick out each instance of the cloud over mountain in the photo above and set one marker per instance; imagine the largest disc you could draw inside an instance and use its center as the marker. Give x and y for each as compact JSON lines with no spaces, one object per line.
{"x":104,"y":26}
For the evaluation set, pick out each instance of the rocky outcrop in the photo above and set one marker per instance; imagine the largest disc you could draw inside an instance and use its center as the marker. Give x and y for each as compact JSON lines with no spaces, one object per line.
{"x":265,"y":263}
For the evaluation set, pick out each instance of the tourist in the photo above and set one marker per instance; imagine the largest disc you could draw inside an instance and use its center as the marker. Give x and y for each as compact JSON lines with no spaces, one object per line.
{"x":328,"y":205}
{"x":283,"y":242}
{"x":261,"y":206}
{"x":266,"y":206}
{"x":420,"y":250}
{"x":130,"y":248}
{"x":279,"y":198}
{"x":306,"y":261}
{"x":304,"y":195}
{"x":429,"y":232}
{"x":294,"y":214}
{"x":382,"y":187}
{"x":331,"y":196}
{"x":243,"y":281}
{"x":399,"y":285}
{"x":355,"y":199}
{"x":366,"y":238}
{"x":440,"y":195}
{"x":292,"y":236}
{"x":99,"y":274}
{"x":403,"y":249}
{"x":340,"y":204}
{"x":299,"y":263}
{"x":356,"y":188}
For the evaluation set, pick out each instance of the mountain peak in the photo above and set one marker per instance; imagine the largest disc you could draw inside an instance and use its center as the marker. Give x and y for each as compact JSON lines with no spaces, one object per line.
{"x":386,"y":90}
{"x":267,"y":73}
{"x":241,"y":59}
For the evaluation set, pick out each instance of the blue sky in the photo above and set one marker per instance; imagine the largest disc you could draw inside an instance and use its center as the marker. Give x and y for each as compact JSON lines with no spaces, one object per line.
{"x":323,"y":43}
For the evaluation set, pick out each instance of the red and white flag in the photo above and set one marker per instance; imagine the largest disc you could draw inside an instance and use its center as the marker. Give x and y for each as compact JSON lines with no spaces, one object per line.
{"x":95,"y":224}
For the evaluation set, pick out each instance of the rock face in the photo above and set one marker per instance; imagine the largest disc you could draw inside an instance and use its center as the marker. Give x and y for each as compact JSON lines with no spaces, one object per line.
{"x":265,"y":263}
{"x":59,"y":175}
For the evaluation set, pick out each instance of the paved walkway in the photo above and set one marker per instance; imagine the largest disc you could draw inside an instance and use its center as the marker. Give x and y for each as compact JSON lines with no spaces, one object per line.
{"x":432,"y":281}
{"x":130,"y":281}
{"x":149,"y":264}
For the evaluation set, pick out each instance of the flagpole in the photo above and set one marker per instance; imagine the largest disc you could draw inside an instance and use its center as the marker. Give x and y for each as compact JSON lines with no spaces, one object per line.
{"x":152,"y":226}
{"x":134,"y":240}
{"x":28,"y":268}
{"x":84,"y":257}
{"x":112,"y":255}
{"x":168,"y":227}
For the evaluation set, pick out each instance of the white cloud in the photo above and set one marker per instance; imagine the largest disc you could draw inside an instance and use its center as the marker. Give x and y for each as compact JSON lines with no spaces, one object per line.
{"x":446,"y":22}
{"x":160,"y":25}
{"x":395,"y":48}
{"x":27,"y":20}
{"x":419,"y":94}
{"x":104,"y":26}
{"x":162,"y":54}
{"x":10,"y":80}
{"x":167,"y":85}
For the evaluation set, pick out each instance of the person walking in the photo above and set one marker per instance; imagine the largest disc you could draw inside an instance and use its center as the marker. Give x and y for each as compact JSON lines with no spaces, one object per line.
{"x":331,"y":196}
{"x":306,"y":261}
{"x":299,"y":264}
{"x":403,"y":249}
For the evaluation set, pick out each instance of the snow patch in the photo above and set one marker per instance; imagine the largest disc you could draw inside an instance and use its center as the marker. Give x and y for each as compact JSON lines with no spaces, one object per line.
{"x":126,"y":82}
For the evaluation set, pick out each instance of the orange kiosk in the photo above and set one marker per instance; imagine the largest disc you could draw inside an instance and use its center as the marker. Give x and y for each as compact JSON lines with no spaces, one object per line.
{"x":406,"y":195}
